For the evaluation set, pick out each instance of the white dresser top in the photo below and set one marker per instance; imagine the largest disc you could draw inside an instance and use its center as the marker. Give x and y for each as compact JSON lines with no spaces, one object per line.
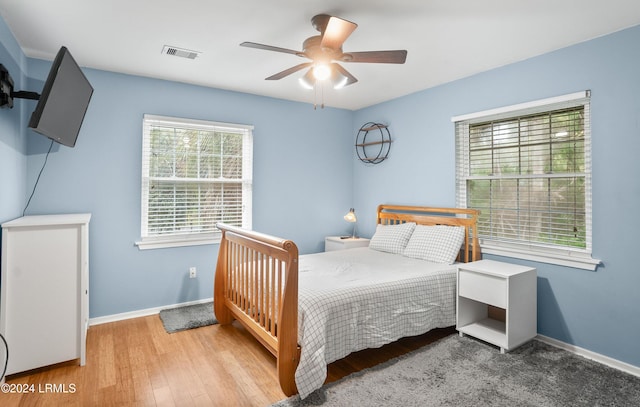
{"x":49,"y":220}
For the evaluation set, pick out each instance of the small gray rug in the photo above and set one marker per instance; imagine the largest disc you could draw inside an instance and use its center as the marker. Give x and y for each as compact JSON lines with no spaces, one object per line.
{"x":188,"y":317}
{"x":465,"y":372}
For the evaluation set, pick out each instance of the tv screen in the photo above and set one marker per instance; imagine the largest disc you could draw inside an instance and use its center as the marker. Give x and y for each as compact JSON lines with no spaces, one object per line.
{"x":63,"y":101}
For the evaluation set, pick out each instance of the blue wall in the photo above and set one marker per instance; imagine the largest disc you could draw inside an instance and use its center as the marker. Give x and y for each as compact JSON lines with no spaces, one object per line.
{"x":594,"y":310}
{"x":306,"y":176}
{"x":293,"y":183}
{"x":13,"y":163}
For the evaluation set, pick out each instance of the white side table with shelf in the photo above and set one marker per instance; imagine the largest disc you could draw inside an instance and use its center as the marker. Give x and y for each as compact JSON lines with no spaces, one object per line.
{"x":506,"y":286}
{"x":339,"y":243}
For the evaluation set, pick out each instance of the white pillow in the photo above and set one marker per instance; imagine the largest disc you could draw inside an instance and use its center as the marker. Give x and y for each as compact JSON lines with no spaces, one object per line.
{"x":439,"y":244}
{"x":392,"y":238}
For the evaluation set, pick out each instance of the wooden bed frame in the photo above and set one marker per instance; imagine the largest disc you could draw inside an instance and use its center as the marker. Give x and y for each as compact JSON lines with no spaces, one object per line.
{"x":256,"y":279}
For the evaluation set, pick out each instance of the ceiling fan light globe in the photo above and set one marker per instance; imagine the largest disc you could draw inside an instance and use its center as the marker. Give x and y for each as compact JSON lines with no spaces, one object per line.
{"x":340,"y":84}
{"x":308,"y":81}
{"x":338,"y":79}
{"x":304,"y":83}
{"x":321,"y":72}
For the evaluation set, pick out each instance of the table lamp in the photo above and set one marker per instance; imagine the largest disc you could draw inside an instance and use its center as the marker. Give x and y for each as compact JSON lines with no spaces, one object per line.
{"x":351,"y":217}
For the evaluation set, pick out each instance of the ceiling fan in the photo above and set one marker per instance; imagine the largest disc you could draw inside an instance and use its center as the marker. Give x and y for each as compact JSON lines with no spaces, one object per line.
{"x":325,"y":49}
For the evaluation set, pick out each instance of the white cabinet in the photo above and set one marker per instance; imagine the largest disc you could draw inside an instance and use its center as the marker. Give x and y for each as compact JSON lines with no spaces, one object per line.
{"x":508,"y":287}
{"x":340,"y":243}
{"x":44,"y":300}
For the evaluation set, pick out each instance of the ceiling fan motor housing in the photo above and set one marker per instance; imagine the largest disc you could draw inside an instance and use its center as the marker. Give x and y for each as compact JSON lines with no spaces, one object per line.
{"x":320,"y":22}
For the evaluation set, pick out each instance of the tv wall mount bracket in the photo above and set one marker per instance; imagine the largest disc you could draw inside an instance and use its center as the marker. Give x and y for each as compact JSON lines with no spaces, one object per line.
{"x":7,"y":94}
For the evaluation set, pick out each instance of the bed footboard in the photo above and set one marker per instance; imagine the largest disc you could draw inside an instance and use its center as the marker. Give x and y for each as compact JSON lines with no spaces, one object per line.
{"x":256,"y":283}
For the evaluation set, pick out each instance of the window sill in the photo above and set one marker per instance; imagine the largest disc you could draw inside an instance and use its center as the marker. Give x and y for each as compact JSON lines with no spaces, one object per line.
{"x":164,"y":243}
{"x":567,"y":258}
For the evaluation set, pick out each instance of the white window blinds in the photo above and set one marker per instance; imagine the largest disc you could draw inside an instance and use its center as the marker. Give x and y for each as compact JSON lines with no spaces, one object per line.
{"x":528,"y":170}
{"x":194,"y":173}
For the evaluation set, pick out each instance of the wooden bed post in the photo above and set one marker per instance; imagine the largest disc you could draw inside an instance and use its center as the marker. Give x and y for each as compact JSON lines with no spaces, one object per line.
{"x":288,"y":350}
{"x":222,"y":313}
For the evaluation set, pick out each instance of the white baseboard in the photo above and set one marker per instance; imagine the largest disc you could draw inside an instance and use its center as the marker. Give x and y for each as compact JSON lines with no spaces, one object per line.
{"x":605,"y":360}
{"x":141,"y":313}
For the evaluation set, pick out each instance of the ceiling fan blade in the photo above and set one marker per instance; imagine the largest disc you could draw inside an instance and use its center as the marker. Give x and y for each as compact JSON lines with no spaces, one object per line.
{"x":270,"y":48}
{"x":350,"y":79}
{"x":380,"y":57}
{"x":289,"y":71}
{"x":337,"y":32}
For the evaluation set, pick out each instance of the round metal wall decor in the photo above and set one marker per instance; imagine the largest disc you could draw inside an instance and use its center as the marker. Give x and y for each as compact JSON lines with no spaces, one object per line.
{"x":373,"y":143}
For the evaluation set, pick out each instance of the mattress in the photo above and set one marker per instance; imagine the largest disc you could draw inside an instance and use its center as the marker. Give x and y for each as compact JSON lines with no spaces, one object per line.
{"x":361,"y":298}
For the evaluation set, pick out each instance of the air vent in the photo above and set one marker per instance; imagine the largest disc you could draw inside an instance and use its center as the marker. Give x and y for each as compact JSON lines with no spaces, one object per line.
{"x":180,"y":52}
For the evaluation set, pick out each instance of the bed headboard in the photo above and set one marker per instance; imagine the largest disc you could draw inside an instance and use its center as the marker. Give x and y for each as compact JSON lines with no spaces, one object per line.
{"x":421,"y":215}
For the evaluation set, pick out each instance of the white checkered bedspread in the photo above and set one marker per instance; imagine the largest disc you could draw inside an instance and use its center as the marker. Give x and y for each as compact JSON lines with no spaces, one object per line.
{"x":360,"y":298}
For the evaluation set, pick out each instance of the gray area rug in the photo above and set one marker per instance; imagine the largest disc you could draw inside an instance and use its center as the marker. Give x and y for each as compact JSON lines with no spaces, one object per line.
{"x":464,"y":372}
{"x":188,"y":317}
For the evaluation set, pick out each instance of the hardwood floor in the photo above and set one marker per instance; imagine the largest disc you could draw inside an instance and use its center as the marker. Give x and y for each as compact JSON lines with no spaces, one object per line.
{"x":136,"y":363}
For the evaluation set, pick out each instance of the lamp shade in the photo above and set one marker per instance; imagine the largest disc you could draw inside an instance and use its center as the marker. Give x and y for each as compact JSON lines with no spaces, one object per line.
{"x":351,"y":216}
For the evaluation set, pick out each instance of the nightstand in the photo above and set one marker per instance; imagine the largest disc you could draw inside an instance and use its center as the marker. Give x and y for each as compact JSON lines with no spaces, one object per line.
{"x":338,"y":243}
{"x":508,"y":287}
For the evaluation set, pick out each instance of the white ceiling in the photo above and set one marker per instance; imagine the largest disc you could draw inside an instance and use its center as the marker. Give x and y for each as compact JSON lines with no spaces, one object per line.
{"x":445,"y":39}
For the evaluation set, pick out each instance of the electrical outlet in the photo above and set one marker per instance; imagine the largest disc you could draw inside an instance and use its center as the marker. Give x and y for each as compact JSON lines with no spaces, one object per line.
{"x":192,"y":272}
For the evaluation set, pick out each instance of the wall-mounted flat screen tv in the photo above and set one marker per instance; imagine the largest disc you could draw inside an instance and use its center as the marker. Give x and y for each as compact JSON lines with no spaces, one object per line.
{"x":63,"y":102}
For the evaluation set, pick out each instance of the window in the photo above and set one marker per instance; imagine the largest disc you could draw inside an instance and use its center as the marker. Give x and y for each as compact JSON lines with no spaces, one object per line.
{"x":527,"y":168}
{"x":194,"y":173}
